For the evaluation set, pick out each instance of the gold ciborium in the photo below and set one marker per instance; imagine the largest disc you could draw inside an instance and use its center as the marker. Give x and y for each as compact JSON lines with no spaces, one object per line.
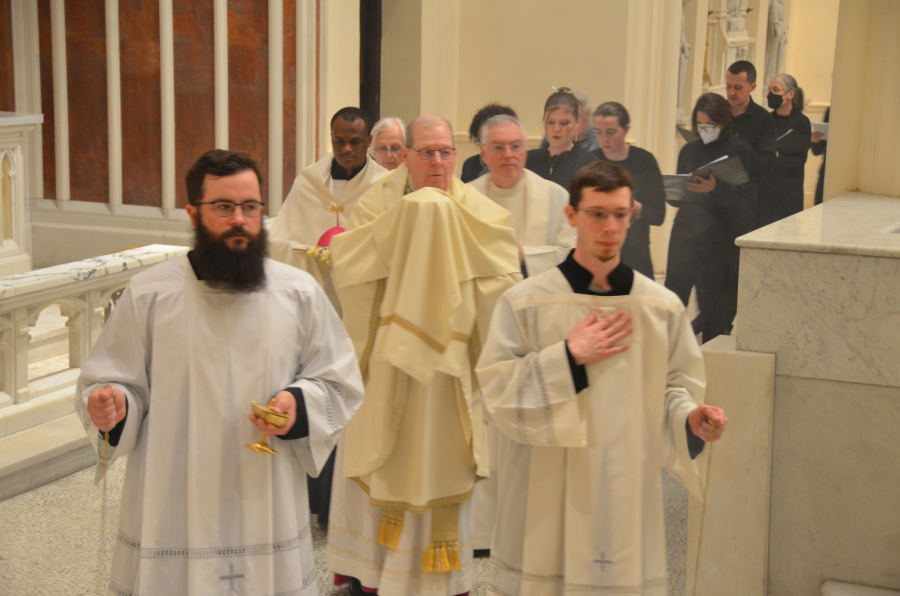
{"x":273,"y":418}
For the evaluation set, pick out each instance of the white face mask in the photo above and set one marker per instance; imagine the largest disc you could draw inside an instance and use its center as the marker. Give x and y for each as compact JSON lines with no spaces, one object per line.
{"x":708,"y":132}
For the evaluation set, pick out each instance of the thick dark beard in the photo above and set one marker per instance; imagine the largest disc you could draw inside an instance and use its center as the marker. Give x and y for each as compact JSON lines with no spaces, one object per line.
{"x":224,"y":268}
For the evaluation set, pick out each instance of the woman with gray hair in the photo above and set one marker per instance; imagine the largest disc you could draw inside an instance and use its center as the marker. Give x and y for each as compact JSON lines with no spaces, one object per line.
{"x":781,"y":194}
{"x":386,"y":142}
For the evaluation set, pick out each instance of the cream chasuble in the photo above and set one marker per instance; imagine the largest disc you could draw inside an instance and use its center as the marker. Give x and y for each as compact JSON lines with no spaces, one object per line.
{"x":418,"y":276}
{"x":196,"y":505}
{"x":316,"y":204}
{"x":538,"y":213}
{"x":580,"y":507}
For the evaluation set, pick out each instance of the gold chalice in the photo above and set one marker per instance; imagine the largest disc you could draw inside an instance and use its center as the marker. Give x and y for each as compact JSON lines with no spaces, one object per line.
{"x":273,"y":418}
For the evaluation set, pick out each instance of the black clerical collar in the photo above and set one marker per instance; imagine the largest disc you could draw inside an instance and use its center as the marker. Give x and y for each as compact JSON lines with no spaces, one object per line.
{"x":339,"y":172}
{"x":191,"y":260}
{"x":620,"y":279}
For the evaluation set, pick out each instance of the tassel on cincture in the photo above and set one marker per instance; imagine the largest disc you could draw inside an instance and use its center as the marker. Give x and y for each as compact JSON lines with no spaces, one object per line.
{"x":396,"y":530}
{"x":445,"y":558}
{"x":428,"y":559}
{"x":455,"y":557}
{"x":383,"y":531}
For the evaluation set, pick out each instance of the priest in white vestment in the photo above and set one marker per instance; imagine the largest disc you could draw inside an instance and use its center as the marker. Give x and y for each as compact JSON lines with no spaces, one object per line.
{"x":587,"y":421}
{"x":418,"y":271}
{"x":189,"y":345}
{"x":537,"y":209}
{"x":323,"y":197}
{"x":536,"y":205}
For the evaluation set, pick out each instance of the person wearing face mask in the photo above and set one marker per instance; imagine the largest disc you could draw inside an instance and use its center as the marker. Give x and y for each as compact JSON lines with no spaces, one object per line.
{"x":559,"y":161}
{"x":611,"y":124}
{"x":702,"y":251}
{"x":781,"y":194}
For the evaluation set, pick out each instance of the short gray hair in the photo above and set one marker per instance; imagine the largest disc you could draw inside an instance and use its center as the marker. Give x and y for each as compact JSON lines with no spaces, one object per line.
{"x":427,"y":121}
{"x":496,"y":121}
{"x":382,"y":125}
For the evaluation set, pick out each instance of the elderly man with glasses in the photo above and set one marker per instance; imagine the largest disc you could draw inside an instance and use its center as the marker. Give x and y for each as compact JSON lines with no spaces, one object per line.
{"x":537,"y":205}
{"x":323,"y":197}
{"x":386,"y":142}
{"x":418,"y":271}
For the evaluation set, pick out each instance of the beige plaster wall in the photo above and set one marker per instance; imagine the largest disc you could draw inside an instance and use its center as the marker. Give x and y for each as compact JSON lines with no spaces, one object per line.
{"x":513,"y":51}
{"x":809,"y":57}
{"x":340,"y":63}
{"x":864,"y":151}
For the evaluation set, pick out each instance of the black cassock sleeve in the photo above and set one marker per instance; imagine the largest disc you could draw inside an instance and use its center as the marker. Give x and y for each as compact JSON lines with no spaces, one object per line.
{"x":301,"y":424}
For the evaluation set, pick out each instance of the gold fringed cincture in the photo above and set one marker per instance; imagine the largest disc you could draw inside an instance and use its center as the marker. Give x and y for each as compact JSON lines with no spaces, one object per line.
{"x":391,"y":528}
{"x":442,"y":554}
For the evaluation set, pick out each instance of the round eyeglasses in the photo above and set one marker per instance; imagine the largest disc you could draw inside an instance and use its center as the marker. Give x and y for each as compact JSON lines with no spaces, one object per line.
{"x":428,"y":154}
{"x":226,"y":208}
{"x":500,"y":148}
{"x":599,"y":216}
{"x":396,"y":151}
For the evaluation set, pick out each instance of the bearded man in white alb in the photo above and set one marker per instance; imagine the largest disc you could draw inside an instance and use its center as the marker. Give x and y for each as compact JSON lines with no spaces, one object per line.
{"x":587,"y":422}
{"x":418,"y":270}
{"x":189,"y":345}
{"x":537,"y":205}
{"x":323,"y":197}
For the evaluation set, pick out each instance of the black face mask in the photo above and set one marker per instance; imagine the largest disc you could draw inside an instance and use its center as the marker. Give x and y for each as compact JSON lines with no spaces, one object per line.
{"x":774,"y":100}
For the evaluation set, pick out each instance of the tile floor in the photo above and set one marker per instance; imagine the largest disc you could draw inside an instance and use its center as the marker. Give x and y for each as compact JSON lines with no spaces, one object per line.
{"x":50,"y":536}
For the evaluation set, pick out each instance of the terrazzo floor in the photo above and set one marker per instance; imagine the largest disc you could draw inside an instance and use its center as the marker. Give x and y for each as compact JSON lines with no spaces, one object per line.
{"x":50,"y":537}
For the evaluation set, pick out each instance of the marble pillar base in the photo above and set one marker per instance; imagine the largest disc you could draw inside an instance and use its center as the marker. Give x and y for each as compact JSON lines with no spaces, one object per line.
{"x":835,"y":504}
{"x":734,"y":554}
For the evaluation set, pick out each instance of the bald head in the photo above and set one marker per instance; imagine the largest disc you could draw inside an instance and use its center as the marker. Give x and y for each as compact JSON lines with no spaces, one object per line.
{"x":424,"y":122}
{"x":430,"y":153}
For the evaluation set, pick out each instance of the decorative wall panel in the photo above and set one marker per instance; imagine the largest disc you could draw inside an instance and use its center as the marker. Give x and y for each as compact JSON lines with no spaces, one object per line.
{"x":141,"y":108}
{"x":88,"y":120}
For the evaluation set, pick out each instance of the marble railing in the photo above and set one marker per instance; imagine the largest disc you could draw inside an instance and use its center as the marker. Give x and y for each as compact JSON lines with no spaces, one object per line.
{"x":85,"y":292}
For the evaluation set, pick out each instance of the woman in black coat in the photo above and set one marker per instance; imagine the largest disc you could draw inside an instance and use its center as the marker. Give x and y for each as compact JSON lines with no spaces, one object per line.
{"x":781,"y":194}
{"x":702,"y":251}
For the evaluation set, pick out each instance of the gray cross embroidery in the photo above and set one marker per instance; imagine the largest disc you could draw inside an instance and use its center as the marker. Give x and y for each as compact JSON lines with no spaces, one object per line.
{"x":603,"y":562}
{"x":231,"y":577}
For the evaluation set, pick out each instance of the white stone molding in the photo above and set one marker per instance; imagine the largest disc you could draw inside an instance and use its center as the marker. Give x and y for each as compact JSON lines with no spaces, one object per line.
{"x":220,"y":52}
{"x":114,"y":104}
{"x":18,"y":134}
{"x":27,"y":72}
{"x":167,"y":88}
{"x":82,"y":290}
{"x":276,"y":105}
{"x":60,"y":100}
{"x":306,"y":84}
{"x":728,"y":40}
{"x":26,"y":56}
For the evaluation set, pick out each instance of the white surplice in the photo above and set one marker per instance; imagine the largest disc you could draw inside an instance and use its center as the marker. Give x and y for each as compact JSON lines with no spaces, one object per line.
{"x":196,"y":505}
{"x":537,"y":208}
{"x":316,"y":204}
{"x":580,"y":507}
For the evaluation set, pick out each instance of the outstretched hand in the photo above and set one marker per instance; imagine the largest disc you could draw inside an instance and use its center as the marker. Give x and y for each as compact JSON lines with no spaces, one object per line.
{"x":592,"y":340}
{"x":106,"y":407}
{"x":700,"y":419}
{"x":282,"y":403}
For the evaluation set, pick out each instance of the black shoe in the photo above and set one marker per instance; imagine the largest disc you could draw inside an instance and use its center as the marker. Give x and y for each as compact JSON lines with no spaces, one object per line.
{"x":356,"y":587}
{"x":484,"y":553}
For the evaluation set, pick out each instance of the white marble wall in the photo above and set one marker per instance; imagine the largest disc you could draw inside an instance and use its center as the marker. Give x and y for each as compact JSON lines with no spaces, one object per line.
{"x":821,"y":291}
